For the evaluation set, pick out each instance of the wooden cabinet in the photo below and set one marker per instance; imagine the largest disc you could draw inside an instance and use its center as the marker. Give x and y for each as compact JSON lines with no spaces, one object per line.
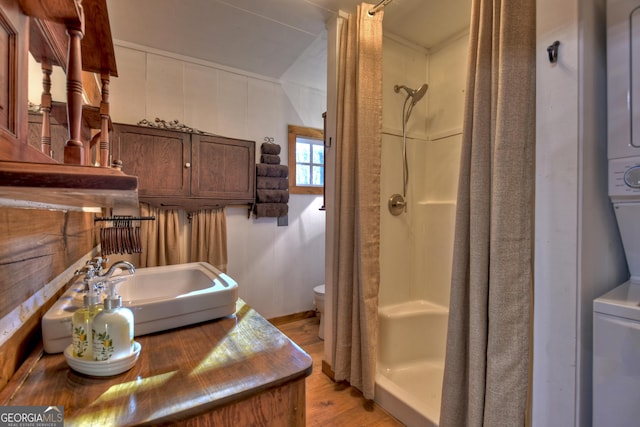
{"x":14,"y":48}
{"x":186,"y":170}
{"x":52,"y":31}
{"x":161,"y":160}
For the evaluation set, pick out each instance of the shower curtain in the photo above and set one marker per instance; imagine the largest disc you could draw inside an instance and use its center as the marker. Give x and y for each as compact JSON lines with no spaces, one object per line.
{"x":356,"y":275}
{"x":486,"y":378}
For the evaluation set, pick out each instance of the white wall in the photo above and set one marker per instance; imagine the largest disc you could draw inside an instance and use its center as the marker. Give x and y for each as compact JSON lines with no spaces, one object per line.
{"x":276,"y":267}
{"x":577,"y":249}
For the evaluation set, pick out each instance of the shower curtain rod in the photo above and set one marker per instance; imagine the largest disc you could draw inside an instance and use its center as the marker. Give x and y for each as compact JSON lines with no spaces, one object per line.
{"x":379,"y":5}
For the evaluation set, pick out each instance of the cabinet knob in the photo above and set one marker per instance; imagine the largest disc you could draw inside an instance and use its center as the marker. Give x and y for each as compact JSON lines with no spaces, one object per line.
{"x":187,"y":165}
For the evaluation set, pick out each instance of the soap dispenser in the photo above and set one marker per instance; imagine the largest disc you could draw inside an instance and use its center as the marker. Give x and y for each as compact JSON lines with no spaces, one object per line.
{"x":81,"y":325}
{"x":112,"y":329}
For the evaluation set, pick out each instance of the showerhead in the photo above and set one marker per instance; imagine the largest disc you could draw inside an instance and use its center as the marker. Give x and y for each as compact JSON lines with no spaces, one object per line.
{"x":419,"y":93}
{"x":415,"y":94}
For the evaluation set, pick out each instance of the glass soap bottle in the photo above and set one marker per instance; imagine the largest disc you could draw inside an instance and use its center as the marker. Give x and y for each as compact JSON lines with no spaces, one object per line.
{"x":113,"y":329}
{"x":81,"y":325}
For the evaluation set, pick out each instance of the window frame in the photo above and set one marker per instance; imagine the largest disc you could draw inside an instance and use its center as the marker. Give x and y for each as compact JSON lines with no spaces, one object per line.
{"x":310,"y":133}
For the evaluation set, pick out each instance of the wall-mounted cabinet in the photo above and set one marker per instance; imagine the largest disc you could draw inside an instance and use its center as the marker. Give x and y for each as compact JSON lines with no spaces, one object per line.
{"x":178,"y":169}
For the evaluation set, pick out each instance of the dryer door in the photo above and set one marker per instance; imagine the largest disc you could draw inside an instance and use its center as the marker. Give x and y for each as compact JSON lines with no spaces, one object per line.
{"x":628,"y":216}
{"x":623,"y":78}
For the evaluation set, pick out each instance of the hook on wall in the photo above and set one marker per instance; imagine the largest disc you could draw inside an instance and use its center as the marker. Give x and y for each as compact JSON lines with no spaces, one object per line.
{"x":552,"y":50}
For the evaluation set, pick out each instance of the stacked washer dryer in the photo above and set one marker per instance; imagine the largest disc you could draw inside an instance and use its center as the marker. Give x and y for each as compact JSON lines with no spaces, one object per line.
{"x":616,"y":317}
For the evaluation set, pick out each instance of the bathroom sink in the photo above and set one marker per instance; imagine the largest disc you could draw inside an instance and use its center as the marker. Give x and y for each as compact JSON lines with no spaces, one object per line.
{"x":161,"y":298}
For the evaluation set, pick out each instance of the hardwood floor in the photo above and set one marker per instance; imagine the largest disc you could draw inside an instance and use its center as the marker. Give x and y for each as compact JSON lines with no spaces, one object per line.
{"x":330,"y":403}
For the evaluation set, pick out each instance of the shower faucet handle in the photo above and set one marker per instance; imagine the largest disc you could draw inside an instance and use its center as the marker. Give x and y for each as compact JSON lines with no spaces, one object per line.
{"x":397,"y":204}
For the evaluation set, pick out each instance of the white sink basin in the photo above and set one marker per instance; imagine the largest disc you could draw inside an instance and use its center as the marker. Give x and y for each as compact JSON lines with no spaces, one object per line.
{"x":161,"y":298}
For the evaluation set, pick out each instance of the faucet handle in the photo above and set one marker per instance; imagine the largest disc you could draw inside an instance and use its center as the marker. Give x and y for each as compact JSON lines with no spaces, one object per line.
{"x":98,"y":262}
{"x":89,"y":271}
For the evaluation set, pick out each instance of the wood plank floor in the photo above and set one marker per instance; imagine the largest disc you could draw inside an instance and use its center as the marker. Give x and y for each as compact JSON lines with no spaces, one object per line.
{"x":330,"y":403}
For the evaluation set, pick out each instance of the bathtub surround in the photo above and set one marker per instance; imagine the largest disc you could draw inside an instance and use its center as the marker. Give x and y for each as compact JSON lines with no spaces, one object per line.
{"x":356,"y":251}
{"x":486,"y":378}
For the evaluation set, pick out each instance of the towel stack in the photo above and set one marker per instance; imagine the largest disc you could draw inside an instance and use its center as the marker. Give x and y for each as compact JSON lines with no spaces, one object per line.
{"x":272,"y":183}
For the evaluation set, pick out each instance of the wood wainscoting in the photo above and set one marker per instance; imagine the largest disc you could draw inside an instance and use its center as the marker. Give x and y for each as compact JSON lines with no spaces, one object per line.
{"x":36,"y":247}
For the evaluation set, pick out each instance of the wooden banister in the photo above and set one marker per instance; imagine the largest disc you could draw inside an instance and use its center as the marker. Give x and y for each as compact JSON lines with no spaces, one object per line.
{"x":74,"y":148}
{"x":45,"y":140}
{"x":104,"y":122}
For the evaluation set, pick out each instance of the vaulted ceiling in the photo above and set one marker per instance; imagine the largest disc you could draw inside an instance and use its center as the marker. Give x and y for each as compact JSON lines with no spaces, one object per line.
{"x":267,"y":36}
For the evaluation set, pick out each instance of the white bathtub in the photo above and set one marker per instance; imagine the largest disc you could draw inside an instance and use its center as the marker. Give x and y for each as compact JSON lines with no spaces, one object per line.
{"x":411,"y":362}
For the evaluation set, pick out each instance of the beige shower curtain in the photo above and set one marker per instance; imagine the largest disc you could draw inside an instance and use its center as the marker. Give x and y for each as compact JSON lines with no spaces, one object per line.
{"x":486,"y":379}
{"x":356,"y":275}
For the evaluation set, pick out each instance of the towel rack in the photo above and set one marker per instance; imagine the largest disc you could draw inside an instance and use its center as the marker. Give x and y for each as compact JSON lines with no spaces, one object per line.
{"x":121,"y":236}
{"x":125,"y":218}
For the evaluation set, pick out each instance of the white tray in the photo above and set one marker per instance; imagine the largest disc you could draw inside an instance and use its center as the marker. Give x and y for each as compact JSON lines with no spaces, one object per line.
{"x":103,"y":368}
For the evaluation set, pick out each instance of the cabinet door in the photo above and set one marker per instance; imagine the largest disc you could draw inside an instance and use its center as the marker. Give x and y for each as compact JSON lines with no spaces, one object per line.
{"x":160,"y":159}
{"x":14,"y":55}
{"x":224,"y":168}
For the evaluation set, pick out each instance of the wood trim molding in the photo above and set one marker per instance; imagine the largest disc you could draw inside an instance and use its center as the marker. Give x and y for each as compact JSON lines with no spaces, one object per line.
{"x":327,"y":370}
{"x":281,"y":320}
{"x":293,"y":132}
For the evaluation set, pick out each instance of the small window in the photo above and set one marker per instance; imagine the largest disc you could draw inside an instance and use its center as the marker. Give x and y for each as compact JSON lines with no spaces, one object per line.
{"x":306,"y":160}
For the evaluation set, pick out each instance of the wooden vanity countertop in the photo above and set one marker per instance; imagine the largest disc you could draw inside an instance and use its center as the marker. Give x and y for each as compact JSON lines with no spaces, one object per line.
{"x":180,"y":374}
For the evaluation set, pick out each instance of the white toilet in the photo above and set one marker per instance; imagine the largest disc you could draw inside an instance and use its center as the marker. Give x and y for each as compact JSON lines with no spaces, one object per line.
{"x":318,"y":295}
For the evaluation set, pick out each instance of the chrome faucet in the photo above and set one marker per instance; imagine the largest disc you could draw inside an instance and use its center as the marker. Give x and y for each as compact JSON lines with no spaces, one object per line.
{"x":126,"y":264}
{"x":94,"y":279}
{"x":89,"y":273}
{"x":98,"y":263}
